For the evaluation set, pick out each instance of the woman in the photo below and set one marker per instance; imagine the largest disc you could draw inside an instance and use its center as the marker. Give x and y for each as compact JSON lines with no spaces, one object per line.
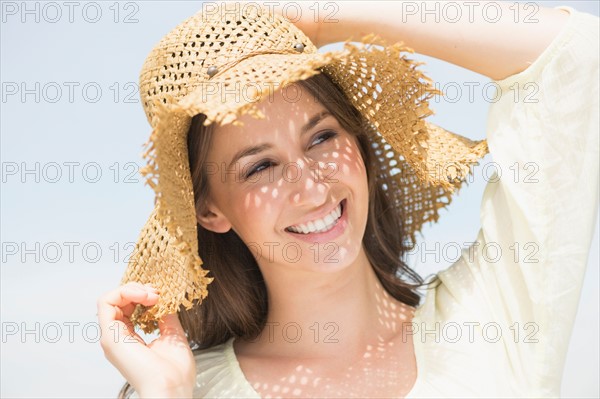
{"x":305,"y":326}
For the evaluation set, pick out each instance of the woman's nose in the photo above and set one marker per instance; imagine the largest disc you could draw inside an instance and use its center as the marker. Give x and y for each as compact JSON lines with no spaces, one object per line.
{"x":307,"y":183}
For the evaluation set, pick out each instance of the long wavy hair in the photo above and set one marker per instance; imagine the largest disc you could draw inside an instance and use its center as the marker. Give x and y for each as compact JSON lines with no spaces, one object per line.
{"x":237,"y":303}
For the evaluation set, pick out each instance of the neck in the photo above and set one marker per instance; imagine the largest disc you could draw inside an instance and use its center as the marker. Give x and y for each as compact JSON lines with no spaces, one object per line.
{"x":315,"y":315}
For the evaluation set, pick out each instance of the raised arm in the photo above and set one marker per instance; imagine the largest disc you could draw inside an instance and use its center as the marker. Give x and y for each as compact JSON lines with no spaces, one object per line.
{"x":541,"y":221}
{"x":493,"y":38}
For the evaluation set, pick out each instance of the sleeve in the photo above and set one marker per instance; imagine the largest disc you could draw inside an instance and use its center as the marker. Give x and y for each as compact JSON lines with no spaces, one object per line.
{"x":539,"y":207}
{"x":131,"y":393}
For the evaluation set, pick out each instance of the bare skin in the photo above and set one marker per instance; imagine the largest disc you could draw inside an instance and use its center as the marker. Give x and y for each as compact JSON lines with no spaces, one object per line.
{"x":163,"y":368}
{"x":371,"y":345}
{"x":383,"y":364}
{"x":344,"y":326}
{"x":486,"y":42}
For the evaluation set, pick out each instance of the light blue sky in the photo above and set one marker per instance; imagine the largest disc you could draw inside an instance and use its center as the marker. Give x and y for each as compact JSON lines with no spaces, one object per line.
{"x":87,"y":213}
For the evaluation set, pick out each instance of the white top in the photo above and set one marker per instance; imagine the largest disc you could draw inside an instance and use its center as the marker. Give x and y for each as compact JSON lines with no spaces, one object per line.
{"x":504,"y":322}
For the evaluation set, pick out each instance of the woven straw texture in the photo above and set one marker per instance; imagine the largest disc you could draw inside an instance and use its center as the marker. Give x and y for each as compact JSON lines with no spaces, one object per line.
{"x":252,"y":55}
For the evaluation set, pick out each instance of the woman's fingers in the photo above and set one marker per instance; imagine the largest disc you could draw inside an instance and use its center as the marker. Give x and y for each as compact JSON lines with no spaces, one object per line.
{"x":173,"y":345}
{"x":124,"y":299}
{"x":170,"y":325}
{"x":125,"y":349}
{"x":167,"y":362}
{"x":171,"y":333}
{"x":131,"y":293}
{"x":114,"y":309}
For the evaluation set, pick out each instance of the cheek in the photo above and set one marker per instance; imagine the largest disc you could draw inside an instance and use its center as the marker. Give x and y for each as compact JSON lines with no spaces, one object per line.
{"x":258,"y":202}
{"x":351,"y":164}
{"x":358,"y":180}
{"x":251,"y":212}
{"x":348,"y":153}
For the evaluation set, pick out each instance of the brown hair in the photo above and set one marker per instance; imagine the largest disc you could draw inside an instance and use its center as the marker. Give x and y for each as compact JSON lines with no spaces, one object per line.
{"x":237,"y":303}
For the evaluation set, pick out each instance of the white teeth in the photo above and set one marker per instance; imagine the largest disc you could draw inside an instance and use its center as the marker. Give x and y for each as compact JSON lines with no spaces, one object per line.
{"x":319,"y":225}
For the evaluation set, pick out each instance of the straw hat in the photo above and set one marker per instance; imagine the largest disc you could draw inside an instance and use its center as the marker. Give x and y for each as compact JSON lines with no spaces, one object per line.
{"x":222,"y":64}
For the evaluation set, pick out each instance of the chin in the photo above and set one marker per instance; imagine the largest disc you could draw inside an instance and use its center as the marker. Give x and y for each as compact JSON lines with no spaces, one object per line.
{"x":329,"y":258}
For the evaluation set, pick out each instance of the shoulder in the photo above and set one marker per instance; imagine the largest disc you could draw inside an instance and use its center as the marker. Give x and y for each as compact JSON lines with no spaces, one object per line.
{"x":213,"y":356}
{"x":218,"y":374}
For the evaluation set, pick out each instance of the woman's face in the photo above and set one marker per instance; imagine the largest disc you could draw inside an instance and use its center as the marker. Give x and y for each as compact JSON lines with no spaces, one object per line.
{"x":280,"y":183}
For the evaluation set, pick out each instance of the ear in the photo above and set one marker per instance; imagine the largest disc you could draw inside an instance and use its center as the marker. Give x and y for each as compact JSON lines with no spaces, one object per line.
{"x":211,"y":218}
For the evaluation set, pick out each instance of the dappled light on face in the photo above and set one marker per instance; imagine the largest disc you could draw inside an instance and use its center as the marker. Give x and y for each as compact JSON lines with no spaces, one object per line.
{"x":286,"y":170}
{"x":345,"y":168}
{"x":350,"y":155}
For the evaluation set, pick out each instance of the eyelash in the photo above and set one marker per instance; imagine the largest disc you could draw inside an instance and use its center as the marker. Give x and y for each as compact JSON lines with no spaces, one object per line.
{"x":325,"y":136}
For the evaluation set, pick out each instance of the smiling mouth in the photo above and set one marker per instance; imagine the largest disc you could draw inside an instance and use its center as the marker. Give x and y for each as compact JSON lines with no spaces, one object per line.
{"x":320,"y":225}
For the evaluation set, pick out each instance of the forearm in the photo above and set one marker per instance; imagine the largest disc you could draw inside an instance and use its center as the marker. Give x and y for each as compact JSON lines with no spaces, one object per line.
{"x":496,"y":40}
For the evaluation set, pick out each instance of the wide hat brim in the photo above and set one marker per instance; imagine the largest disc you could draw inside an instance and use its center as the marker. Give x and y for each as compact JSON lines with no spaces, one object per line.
{"x":428,"y":162}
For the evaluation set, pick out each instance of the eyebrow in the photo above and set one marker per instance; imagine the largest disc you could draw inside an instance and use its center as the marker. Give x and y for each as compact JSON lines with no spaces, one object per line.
{"x":253,"y":150}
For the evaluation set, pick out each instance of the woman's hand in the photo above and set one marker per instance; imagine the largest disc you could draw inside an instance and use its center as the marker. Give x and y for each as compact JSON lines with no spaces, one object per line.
{"x":496,"y":44}
{"x":326,"y":23}
{"x":166,"y":366}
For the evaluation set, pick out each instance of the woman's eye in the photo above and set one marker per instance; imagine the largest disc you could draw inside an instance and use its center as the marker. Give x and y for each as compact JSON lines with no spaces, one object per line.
{"x":263,"y":165}
{"x":260,"y":166}
{"x":324,"y":137}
